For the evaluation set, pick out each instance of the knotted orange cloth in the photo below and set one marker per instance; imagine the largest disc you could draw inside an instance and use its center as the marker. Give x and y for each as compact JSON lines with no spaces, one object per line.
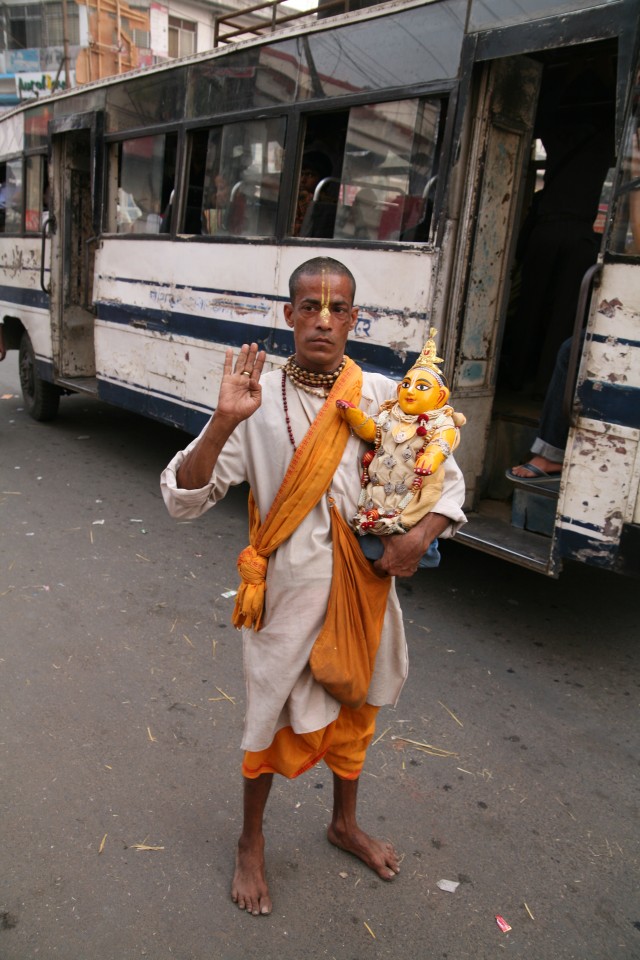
{"x":344,"y":653}
{"x":354,"y":587}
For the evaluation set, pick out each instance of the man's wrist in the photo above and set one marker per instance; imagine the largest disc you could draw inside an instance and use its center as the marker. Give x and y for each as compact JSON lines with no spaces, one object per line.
{"x":432,"y":526}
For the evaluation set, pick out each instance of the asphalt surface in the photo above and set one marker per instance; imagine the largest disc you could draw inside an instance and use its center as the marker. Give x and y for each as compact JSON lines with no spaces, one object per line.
{"x":121,"y":704}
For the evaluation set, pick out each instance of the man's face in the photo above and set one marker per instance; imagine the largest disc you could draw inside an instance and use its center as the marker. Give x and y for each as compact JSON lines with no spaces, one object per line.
{"x":309,"y":179}
{"x":321,"y":318}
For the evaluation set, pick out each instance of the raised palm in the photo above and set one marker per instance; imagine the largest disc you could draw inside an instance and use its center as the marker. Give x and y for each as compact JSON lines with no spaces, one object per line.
{"x":240,"y":391}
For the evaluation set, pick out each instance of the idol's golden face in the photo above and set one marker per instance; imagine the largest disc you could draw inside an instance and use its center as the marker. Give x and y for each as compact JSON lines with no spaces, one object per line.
{"x":420,"y":392}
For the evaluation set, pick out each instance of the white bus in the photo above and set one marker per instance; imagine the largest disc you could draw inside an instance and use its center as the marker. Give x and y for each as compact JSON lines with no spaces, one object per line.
{"x":151,"y":220}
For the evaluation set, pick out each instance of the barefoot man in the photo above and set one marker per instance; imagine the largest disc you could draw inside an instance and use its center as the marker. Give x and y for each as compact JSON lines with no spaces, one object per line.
{"x":284,"y":436}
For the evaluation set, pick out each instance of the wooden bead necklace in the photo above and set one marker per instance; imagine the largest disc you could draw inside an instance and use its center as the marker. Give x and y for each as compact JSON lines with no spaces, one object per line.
{"x":310,"y":378}
{"x":316,"y":384}
{"x":286,"y":410}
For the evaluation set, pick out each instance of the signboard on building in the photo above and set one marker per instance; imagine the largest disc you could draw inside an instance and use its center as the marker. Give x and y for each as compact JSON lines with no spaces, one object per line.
{"x":18,"y":60}
{"x":33,"y":86}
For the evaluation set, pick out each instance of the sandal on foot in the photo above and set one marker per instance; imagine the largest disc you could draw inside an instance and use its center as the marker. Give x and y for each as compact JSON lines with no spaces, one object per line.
{"x":539,"y":476}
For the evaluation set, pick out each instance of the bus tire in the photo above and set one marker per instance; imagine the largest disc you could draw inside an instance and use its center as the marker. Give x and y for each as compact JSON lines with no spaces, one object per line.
{"x":41,"y":398}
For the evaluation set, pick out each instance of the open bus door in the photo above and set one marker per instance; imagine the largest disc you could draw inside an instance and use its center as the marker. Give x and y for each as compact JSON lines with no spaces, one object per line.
{"x":501,"y":135}
{"x":590,"y":511}
{"x":598,"y":519}
{"x":76,"y":161}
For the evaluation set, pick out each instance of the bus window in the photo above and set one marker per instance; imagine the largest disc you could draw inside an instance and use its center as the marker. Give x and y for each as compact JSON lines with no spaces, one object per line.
{"x":625,"y":237}
{"x":145,"y":179}
{"x":11,"y":196}
{"x":36,"y":194}
{"x":193,"y":222}
{"x":382,"y":176}
{"x":146,"y":100}
{"x":319,"y":181}
{"x":241,"y":182}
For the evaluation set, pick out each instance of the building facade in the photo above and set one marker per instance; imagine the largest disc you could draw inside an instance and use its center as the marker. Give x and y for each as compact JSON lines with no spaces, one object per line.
{"x":46,"y":45}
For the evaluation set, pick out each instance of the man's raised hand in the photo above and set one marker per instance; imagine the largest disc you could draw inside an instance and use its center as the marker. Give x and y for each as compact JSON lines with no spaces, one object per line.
{"x":240,"y":390}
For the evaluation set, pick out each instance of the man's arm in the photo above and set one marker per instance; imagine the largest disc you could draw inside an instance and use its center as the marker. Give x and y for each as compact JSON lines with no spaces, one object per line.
{"x":240,"y":396}
{"x":403,"y":552}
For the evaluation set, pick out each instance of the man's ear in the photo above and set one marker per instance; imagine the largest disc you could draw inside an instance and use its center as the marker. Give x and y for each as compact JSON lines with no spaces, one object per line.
{"x":288,"y":314}
{"x":354,"y":318}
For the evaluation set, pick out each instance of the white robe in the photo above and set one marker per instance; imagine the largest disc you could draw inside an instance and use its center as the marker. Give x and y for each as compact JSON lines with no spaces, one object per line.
{"x":280,"y":688}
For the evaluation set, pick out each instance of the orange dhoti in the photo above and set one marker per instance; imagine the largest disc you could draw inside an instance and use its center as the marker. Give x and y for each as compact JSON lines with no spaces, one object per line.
{"x":342,"y":745}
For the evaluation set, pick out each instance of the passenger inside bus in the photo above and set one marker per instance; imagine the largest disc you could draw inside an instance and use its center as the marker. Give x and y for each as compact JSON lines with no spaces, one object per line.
{"x":557,"y":242}
{"x":316,"y":166}
{"x":324,"y":143}
{"x":549,"y":446}
{"x":556,"y":247}
{"x":553,"y":429}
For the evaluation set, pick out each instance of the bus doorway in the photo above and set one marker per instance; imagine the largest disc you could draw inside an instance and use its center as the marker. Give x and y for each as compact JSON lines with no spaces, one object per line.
{"x":525,"y":278}
{"x":72,"y":263}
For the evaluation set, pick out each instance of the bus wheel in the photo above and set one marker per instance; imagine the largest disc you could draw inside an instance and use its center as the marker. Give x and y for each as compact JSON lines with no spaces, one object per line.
{"x":41,"y":399}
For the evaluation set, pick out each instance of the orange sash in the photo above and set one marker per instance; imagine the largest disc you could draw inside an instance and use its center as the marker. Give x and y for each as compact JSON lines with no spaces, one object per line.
{"x":343,"y":655}
{"x":306,"y":481}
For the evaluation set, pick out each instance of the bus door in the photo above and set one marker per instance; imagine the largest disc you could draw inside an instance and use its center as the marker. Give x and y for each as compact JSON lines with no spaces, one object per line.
{"x":75,"y":204}
{"x":505,"y":101}
{"x":598,"y":519}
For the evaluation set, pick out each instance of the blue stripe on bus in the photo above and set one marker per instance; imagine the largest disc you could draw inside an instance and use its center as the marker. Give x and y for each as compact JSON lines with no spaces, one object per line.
{"x":24,"y":296}
{"x":224,"y":291}
{"x":202,"y":408}
{"x":625,"y":341}
{"x":231,"y":333}
{"x":44,"y":368}
{"x":610,"y":402}
{"x":595,"y":527}
{"x":151,"y":405}
{"x":573,"y":545}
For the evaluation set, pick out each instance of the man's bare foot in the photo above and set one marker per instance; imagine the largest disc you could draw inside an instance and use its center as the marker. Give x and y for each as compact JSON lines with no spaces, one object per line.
{"x":249,"y":885}
{"x":379,"y":855}
{"x":542,"y":466}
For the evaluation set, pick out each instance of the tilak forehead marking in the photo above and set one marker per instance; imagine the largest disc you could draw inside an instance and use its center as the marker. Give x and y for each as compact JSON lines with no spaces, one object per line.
{"x":325,"y":301}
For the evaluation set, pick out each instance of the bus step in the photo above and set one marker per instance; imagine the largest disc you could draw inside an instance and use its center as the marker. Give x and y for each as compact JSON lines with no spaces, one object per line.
{"x":535,"y":509}
{"x":500,"y":539}
{"x":79,"y":384}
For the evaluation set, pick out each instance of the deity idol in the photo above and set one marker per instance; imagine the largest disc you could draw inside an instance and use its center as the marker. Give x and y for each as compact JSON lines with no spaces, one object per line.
{"x":412,"y":437}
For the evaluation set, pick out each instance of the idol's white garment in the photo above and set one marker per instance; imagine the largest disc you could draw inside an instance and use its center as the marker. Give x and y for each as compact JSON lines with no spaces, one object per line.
{"x":280,"y":688}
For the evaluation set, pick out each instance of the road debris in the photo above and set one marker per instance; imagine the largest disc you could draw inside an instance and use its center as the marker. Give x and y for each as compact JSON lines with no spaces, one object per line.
{"x":450,"y":712}
{"x":225,"y":696}
{"x":449,"y":886}
{"x":427,"y":747}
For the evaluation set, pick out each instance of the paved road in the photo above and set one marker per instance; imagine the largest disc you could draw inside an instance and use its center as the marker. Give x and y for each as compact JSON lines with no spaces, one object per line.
{"x":121,"y":702}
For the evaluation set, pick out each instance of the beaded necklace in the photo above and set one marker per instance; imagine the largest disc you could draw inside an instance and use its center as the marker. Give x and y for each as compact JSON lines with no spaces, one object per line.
{"x":309,"y":379}
{"x":316,"y":384}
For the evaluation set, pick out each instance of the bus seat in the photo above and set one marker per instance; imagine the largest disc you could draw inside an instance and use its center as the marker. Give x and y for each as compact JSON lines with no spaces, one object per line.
{"x":319,"y":219}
